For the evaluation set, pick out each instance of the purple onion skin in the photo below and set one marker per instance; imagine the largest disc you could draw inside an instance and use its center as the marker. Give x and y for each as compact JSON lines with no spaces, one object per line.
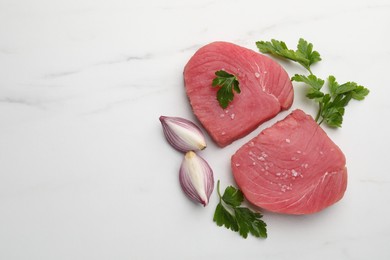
{"x":196,"y":178}
{"x":188,"y":138}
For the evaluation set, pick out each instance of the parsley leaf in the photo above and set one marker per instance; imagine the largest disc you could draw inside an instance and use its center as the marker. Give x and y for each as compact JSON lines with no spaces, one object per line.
{"x":250,"y":222}
{"x":331,"y":106}
{"x":233,"y":196}
{"x":311,"y":80}
{"x":306,"y":49}
{"x":360,"y":93}
{"x":304,"y":54}
{"x":227,"y":83}
{"x":228,"y":213}
{"x":332,"y":84}
{"x":224,"y":218}
{"x":279,"y":48}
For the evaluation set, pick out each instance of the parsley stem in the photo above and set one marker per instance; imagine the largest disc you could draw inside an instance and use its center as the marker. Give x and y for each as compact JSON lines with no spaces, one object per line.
{"x":319,"y":113}
{"x":219,"y":193}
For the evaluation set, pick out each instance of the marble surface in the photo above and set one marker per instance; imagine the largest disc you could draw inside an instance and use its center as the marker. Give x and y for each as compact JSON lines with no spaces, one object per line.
{"x":85,"y":172}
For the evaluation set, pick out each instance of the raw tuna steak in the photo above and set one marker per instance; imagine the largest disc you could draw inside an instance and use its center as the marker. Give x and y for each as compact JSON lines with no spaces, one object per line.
{"x":266,"y":89}
{"x":292,"y":167}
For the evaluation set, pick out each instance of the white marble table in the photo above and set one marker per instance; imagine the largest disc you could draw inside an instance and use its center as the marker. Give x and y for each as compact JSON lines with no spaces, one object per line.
{"x":85,"y":172}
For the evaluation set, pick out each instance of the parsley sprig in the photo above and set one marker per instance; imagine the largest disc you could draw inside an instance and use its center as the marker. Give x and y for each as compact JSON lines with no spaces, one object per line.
{"x":227,"y":83}
{"x":331,"y":105}
{"x":304,"y":54}
{"x":228,"y":213}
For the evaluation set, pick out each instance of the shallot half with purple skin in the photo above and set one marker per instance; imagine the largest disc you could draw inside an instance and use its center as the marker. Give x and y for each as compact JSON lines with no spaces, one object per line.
{"x":196,"y":178}
{"x":195,"y":175}
{"x":183,"y":134}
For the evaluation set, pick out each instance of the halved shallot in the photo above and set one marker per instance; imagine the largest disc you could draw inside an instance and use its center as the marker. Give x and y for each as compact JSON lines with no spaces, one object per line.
{"x":196,"y":178}
{"x":183,"y":134}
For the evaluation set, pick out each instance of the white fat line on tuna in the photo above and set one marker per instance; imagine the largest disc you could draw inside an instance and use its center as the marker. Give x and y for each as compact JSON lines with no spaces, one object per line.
{"x":260,"y":187}
{"x":326,"y":174}
{"x":288,"y":199}
{"x":258,"y":70}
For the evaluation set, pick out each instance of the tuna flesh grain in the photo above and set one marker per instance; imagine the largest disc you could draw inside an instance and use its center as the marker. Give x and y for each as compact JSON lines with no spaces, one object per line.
{"x":265,"y":86}
{"x":292,"y":167}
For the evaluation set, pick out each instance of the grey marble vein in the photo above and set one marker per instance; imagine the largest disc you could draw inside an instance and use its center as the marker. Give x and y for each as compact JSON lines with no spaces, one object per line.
{"x":124,"y":59}
{"x":62,"y":74}
{"x":21,"y":101}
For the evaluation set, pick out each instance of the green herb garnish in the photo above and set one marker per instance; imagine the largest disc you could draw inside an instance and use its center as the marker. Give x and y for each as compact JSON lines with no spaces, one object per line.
{"x":304,"y":54}
{"x":228,"y":213}
{"x":331,"y":105}
{"x":227,"y":83}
